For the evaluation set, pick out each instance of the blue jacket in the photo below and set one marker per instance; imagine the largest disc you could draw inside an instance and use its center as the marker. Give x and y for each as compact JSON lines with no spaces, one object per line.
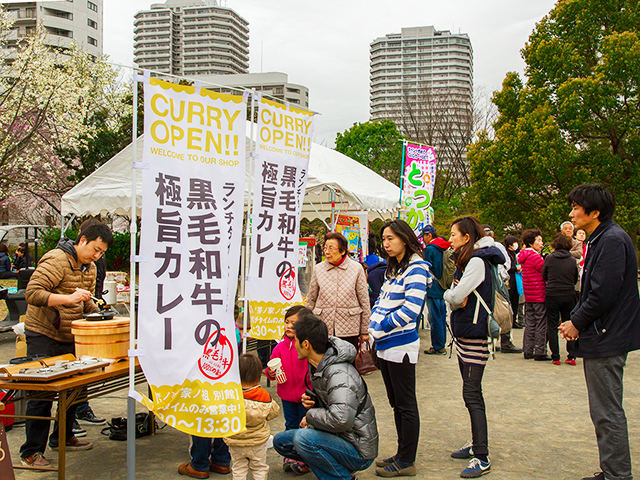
{"x":5,"y":262}
{"x":608,"y":313}
{"x":433,"y":254}
{"x":375,"y":278}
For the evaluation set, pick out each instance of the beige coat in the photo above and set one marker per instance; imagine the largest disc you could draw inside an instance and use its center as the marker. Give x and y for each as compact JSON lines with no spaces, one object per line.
{"x":58,"y":272}
{"x":259,"y":408}
{"x":340,"y":297}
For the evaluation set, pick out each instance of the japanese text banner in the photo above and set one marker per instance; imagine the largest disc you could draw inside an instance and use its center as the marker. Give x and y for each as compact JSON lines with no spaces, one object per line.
{"x":281,"y":169}
{"x":417,"y":186}
{"x":192,"y":204}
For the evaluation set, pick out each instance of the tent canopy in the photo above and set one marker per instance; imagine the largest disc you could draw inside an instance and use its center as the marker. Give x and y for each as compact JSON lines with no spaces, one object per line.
{"x":108,"y":189}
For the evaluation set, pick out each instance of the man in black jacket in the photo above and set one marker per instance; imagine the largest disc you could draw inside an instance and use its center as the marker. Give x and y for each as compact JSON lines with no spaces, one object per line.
{"x":605,"y":323}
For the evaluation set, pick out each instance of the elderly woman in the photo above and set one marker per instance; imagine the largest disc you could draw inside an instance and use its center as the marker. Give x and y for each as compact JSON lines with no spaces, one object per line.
{"x":338,"y":292}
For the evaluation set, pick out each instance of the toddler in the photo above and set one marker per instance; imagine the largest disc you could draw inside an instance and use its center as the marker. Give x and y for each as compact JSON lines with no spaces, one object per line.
{"x":248,"y":449}
{"x":296,"y":371}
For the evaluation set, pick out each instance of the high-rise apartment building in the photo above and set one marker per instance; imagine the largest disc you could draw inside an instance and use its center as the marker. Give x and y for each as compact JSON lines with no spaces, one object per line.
{"x":65,"y":21}
{"x":418,"y":59}
{"x":190,"y":38}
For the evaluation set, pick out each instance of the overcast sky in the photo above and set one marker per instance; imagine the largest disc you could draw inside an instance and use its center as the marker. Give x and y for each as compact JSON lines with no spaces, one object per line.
{"x":324,"y":45}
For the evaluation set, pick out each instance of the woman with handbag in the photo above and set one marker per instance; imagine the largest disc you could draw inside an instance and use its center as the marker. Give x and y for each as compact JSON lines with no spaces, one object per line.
{"x":393,"y":329}
{"x":474,"y":254}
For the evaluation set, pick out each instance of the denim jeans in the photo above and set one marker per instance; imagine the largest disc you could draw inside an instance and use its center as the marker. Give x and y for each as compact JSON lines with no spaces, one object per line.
{"x":438,"y":322}
{"x":604,"y":385}
{"x":328,"y":456}
{"x":293,"y":413}
{"x":203,"y":448}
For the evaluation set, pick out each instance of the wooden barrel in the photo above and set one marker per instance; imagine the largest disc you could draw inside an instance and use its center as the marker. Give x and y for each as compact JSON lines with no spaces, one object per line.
{"x":102,"y":338}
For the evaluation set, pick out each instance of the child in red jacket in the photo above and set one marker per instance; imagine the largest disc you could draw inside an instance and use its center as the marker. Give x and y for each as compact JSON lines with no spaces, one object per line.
{"x":296,"y":372}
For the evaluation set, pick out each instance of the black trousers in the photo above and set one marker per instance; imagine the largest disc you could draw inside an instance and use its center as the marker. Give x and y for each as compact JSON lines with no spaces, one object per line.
{"x":557,"y":307}
{"x":400,"y":382}
{"x":474,"y":401}
{"x":37,"y":431}
{"x":514,"y":298}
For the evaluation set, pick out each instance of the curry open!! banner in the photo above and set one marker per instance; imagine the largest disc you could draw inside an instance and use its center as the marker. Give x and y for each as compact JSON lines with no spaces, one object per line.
{"x":281,"y":169}
{"x":192,"y":207}
{"x":417,"y":186}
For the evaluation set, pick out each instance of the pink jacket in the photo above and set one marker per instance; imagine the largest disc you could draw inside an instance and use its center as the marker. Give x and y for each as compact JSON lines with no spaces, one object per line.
{"x":295,"y":370}
{"x":534,"y":286}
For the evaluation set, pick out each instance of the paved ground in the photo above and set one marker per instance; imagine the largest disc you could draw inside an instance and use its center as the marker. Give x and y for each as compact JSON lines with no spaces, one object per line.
{"x":539,"y":426}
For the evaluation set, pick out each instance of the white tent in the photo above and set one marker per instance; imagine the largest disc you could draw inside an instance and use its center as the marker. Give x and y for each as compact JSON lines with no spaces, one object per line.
{"x":108,"y":189}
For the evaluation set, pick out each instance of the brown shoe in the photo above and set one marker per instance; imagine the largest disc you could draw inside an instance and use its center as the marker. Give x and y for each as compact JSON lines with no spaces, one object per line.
{"x":186,"y":469}
{"x":73,"y":444}
{"x":35,"y":460}
{"x":218,"y":469}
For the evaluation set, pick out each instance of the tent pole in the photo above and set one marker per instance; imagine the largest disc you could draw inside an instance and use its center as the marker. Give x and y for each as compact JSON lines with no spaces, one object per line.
{"x":247,"y":238}
{"x":131,"y":403}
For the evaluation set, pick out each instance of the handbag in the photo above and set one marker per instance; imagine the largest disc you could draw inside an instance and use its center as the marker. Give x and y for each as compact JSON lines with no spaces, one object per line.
{"x":117,"y":429}
{"x":519,"y":284}
{"x":364,"y":360}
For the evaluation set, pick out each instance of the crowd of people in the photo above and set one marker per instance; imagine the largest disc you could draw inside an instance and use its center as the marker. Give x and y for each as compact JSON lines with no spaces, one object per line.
{"x":9,"y":267}
{"x":330,"y":421}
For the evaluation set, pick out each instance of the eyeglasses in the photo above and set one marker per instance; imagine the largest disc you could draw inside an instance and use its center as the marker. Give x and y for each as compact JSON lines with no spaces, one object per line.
{"x":329,"y":248}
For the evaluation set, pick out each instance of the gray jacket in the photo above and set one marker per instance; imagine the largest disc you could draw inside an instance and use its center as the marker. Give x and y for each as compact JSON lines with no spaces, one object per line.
{"x":345,"y":407}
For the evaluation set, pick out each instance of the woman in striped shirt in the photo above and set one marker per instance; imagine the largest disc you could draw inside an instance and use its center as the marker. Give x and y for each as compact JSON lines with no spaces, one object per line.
{"x":474,"y":253}
{"x":393,"y":328}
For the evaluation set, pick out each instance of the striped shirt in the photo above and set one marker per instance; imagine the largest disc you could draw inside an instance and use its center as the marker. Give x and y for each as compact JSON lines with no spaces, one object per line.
{"x":472,"y":351}
{"x":394,"y":316}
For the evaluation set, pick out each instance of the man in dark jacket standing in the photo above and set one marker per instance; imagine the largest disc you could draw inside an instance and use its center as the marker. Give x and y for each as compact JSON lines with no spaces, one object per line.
{"x":339,"y":435}
{"x":605,"y":323}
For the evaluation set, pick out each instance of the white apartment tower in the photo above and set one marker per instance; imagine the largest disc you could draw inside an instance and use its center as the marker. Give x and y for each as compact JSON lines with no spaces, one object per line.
{"x":418,"y":58}
{"x":190,"y":38}
{"x":65,"y":21}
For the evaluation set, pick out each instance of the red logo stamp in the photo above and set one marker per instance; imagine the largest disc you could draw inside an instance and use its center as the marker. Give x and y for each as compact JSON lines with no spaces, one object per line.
{"x":217,"y":357}
{"x":288,"y":284}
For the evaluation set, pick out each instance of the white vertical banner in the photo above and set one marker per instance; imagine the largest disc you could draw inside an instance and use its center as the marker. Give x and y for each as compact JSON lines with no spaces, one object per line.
{"x":281,"y":169}
{"x":192,"y":207}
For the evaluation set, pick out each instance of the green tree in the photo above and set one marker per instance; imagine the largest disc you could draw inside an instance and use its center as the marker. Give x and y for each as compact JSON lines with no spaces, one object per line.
{"x":575,"y":120}
{"x":376,"y":145}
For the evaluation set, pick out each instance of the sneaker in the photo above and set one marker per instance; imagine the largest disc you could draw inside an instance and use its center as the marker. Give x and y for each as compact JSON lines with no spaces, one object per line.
{"x":286,"y":464}
{"x":187,"y":469}
{"x":433,"y":351}
{"x":464,"y":452}
{"x":386,"y":461}
{"x":35,"y":460}
{"x":395,"y":470}
{"x":571,"y":361}
{"x":596,"y":476}
{"x":72,"y":444}
{"x":476,"y":468}
{"x":78,"y":431}
{"x":89,"y":418}
{"x":300,"y":468}
{"x":219,"y":468}
{"x":556,"y":362}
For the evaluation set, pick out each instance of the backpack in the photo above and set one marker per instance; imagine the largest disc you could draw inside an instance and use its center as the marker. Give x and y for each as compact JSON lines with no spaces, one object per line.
{"x":500,"y":316}
{"x":448,"y":269}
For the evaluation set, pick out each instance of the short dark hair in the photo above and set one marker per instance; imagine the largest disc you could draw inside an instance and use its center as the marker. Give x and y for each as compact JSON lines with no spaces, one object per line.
{"x":4,"y":248}
{"x":311,"y":328}
{"x":300,"y":310}
{"x":402,"y":230}
{"x":562,"y":242}
{"x":250,"y":368}
{"x":509,"y":240}
{"x":529,"y":236}
{"x":593,"y":197}
{"x":95,"y":231}
{"x":467,"y":226}
{"x":343,"y":246}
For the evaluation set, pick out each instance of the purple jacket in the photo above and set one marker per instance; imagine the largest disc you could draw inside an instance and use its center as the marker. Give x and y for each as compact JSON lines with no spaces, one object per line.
{"x":534,"y":286}
{"x":295,"y":370}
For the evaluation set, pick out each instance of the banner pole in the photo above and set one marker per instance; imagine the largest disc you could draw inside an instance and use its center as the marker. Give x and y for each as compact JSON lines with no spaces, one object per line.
{"x":404,"y":149}
{"x":131,"y":403}
{"x":247,"y":238}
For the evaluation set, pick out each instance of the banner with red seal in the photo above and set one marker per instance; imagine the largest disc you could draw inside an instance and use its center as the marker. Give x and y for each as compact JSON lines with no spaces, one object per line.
{"x":192,"y":208}
{"x":281,"y":169}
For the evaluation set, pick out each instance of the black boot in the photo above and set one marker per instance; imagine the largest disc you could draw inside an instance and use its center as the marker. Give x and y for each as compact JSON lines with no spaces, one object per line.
{"x":506,"y":346}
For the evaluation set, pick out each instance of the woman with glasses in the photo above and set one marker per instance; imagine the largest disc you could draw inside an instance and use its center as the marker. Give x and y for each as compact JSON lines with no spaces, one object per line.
{"x":338,"y":292}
